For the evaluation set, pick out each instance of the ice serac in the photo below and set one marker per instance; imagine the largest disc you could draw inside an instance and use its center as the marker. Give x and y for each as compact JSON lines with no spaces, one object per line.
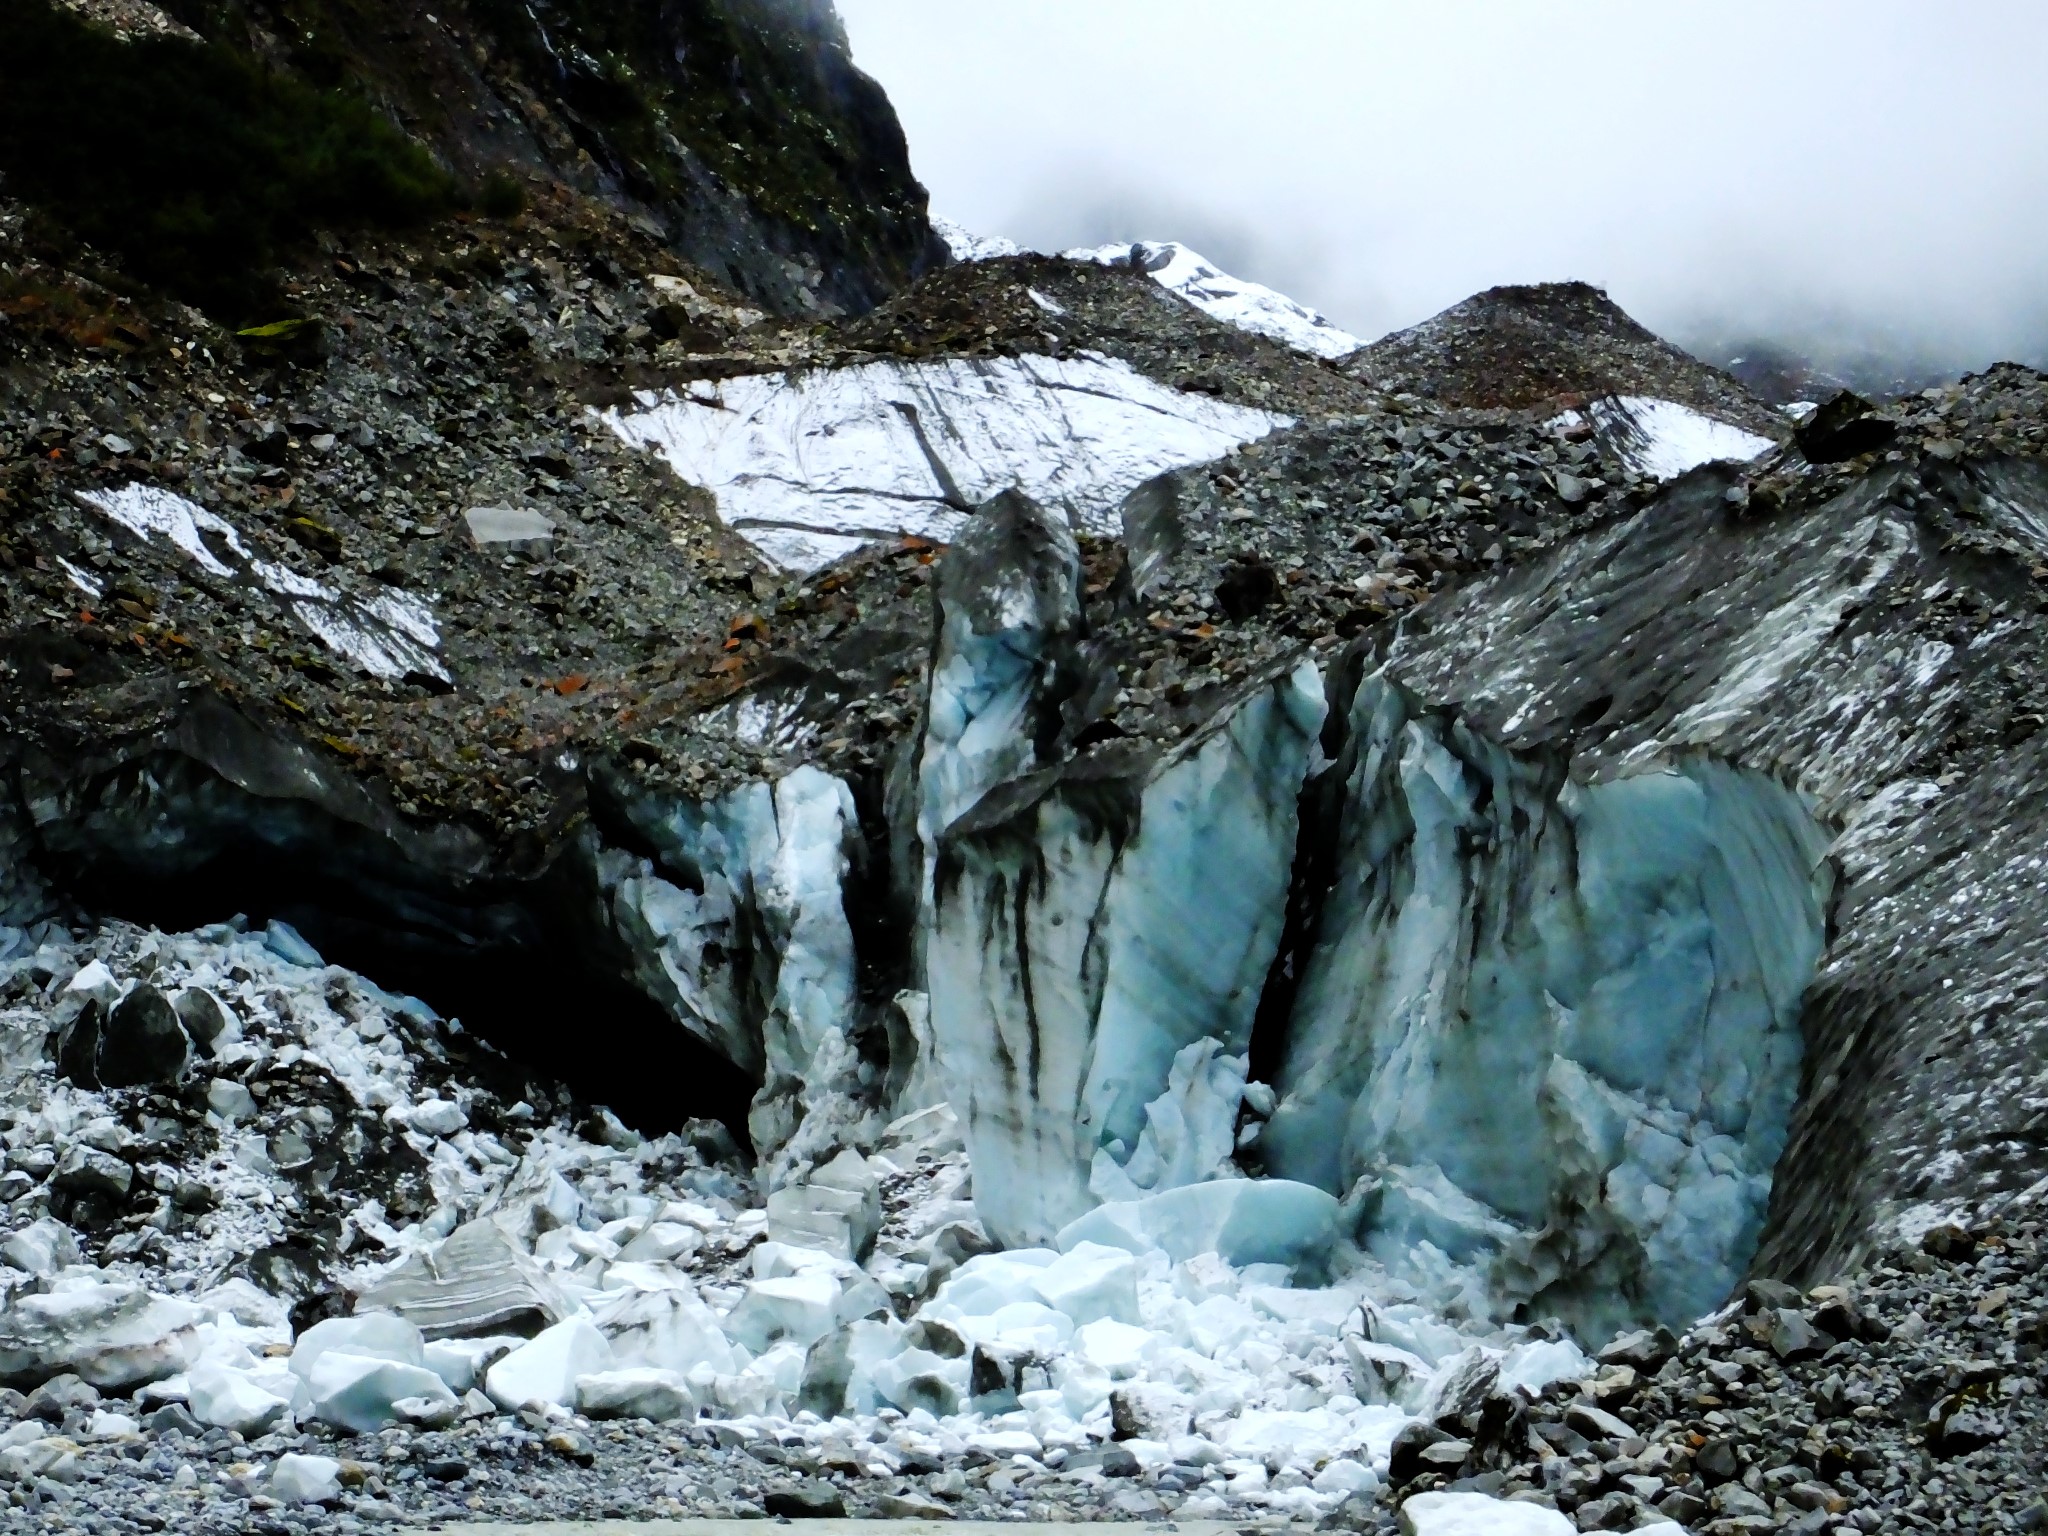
{"x":1553,"y":1026}
{"x":1093,"y":919}
{"x":738,"y":924}
{"x":809,"y":466}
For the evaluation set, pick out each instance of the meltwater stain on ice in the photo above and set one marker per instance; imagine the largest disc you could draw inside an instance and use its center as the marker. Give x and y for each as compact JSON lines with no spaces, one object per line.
{"x":1548,"y":1037}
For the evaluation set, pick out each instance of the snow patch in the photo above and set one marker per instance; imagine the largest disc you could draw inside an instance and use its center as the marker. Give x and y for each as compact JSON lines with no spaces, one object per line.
{"x":808,"y":466}
{"x":388,"y":634}
{"x":1235,"y":301}
{"x":1661,"y":438}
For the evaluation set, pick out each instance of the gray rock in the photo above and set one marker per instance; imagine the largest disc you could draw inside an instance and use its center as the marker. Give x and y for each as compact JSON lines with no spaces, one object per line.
{"x":809,"y":1500}
{"x":1794,"y":1338}
{"x":512,"y":529}
{"x":89,"y":1171}
{"x":142,"y":1041}
{"x":61,"y":1395}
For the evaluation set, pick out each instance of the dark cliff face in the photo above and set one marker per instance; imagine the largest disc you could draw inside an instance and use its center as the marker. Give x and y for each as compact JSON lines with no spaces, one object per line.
{"x":739,"y":129}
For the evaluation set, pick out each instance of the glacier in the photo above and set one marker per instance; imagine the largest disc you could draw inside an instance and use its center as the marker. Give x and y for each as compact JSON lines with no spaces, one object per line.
{"x":808,"y":466}
{"x":1547,"y":1038}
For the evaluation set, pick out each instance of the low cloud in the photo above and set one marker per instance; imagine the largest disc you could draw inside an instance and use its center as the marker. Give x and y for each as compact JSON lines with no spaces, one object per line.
{"x":1833,"y":176}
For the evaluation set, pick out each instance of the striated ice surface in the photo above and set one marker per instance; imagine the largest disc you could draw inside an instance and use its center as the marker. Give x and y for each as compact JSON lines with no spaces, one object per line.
{"x":808,"y":466}
{"x":1662,"y":438}
{"x":387,"y":633}
{"x":1234,"y":300}
{"x":1078,"y":946}
{"x":739,"y":925}
{"x":1548,"y":1035}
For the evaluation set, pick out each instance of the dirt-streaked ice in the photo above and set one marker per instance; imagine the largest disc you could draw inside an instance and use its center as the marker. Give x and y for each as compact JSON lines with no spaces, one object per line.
{"x":810,"y":465}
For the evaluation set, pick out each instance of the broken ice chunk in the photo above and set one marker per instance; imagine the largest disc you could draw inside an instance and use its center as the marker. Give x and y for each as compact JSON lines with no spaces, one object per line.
{"x":1479,"y":1514}
{"x":226,"y":1398}
{"x":362,"y":1393}
{"x":1243,"y":1221}
{"x":510,"y":528}
{"x":546,"y":1368}
{"x":473,"y":1282}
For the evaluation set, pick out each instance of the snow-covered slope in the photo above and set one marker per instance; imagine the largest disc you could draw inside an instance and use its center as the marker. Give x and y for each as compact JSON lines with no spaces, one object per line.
{"x":1247,"y":305}
{"x":809,"y":466}
{"x":1662,"y":438}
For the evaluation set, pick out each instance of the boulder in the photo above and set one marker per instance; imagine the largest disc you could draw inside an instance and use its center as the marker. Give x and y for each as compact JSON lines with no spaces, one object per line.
{"x":142,"y":1041}
{"x":116,"y":1336}
{"x":636,"y":1392}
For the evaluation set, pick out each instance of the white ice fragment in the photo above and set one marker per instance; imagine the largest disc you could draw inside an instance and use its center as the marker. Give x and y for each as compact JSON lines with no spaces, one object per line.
{"x":635,"y":1392}
{"x":1234,"y":300}
{"x":226,"y":1398}
{"x":1243,"y":1221}
{"x":508,"y":526}
{"x":800,"y":1307}
{"x":810,"y":465}
{"x":298,"y":1479}
{"x":545,"y":1369}
{"x":1091,"y":1281}
{"x":42,"y":1247}
{"x":363,"y":1393}
{"x":1118,"y":1348}
{"x":436,"y":1118}
{"x":461,"y":1363}
{"x":1479,"y":1514}
{"x":375,"y":1335}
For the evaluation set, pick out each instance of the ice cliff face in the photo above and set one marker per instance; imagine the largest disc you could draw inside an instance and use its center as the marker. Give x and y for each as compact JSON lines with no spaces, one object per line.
{"x":1552,"y":1027}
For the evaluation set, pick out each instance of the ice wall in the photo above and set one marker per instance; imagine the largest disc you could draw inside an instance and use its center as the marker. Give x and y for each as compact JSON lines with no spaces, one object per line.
{"x":739,"y":925}
{"x":1091,"y":923}
{"x":1548,"y":1033}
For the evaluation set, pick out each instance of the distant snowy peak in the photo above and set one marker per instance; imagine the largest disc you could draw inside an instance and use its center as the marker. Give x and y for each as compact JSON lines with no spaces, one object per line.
{"x":1661,"y":438}
{"x":1248,"y":306}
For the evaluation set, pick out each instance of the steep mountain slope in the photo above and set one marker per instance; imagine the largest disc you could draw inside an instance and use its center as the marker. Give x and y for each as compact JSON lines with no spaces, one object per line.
{"x":740,"y":132}
{"x":1172,"y":920}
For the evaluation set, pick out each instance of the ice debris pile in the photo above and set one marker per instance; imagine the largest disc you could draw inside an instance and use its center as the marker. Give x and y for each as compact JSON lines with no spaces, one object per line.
{"x":196,"y":1124}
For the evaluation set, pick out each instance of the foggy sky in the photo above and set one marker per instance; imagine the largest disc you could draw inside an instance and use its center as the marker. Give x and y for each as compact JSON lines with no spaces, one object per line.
{"x":1876,"y":170}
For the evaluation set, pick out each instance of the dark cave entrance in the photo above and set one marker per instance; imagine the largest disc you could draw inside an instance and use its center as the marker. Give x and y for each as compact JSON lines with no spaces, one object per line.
{"x":526,"y":964}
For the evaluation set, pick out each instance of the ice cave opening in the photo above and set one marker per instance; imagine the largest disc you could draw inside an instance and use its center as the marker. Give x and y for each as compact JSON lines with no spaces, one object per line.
{"x":524,"y":964}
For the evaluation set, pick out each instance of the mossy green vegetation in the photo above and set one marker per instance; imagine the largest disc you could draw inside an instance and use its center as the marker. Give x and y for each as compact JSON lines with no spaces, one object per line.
{"x":194,"y":164}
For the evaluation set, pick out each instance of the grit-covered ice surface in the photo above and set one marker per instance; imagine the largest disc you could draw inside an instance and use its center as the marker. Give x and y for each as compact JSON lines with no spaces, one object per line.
{"x":809,"y":466}
{"x":537,"y":1268}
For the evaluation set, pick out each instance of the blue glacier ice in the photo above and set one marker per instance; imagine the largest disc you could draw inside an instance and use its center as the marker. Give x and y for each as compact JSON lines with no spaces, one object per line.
{"x":1548,"y":1035}
{"x":1091,"y":924}
{"x":739,"y":926}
